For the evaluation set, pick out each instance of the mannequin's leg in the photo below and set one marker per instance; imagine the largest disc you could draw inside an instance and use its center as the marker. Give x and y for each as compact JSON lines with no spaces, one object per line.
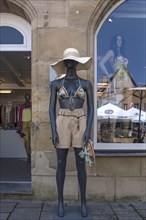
{"x":60,"y":178}
{"x":82,"y":178}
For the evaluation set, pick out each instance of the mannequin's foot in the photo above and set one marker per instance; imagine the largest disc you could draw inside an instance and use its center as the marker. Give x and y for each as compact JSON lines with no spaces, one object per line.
{"x":84,"y":210}
{"x":60,"y":210}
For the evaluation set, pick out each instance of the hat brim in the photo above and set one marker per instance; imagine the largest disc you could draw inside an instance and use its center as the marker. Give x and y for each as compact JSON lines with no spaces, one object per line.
{"x":84,"y":63}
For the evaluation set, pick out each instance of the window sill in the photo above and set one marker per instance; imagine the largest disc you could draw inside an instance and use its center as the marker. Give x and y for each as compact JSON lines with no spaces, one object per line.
{"x":125,"y":153}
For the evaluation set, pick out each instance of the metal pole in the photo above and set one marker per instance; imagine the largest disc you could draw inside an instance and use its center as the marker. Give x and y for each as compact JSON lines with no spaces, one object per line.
{"x":140,"y":105}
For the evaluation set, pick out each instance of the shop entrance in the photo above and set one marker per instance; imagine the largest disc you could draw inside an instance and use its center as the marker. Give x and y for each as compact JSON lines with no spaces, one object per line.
{"x":15,"y":71}
{"x":15,"y":86}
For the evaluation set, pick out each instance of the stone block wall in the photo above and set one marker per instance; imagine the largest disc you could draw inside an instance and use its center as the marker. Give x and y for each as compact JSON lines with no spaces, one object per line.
{"x":58,"y":25}
{"x":117,"y":178}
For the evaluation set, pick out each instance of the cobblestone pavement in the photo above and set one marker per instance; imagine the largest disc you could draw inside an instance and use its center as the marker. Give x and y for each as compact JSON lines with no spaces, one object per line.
{"x":39,"y":210}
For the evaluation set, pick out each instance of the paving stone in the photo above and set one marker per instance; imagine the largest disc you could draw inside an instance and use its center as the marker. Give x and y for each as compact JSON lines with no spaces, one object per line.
{"x":121,"y":207}
{"x":103,"y":212}
{"x":139,"y":205}
{"x":25,"y":214}
{"x":47,"y":207}
{"x":95,"y":206}
{"x":105,"y":218}
{"x":7,"y":207}
{"x":100,"y":209}
{"x":127,"y":218}
{"x":38,"y":210}
{"x":142,"y":212}
{"x":47,"y":216}
{"x":30,"y":204}
{"x":130,"y":215}
{"x":4,"y":216}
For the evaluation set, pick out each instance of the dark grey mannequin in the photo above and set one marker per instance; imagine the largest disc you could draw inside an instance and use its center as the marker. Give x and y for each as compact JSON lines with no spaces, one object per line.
{"x":71,"y":85}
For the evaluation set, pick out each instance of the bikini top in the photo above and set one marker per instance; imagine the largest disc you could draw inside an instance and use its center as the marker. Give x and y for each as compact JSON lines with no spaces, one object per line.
{"x":62,"y":93}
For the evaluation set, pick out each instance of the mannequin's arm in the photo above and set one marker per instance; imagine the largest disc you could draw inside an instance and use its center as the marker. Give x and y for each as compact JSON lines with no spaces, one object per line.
{"x":109,"y":56}
{"x":90,"y":111}
{"x":52,"y":111}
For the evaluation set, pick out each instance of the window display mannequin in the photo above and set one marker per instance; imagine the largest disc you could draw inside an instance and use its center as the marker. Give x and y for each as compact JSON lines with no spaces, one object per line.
{"x":71,"y":128}
{"x":114,"y":56}
{"x":25,"y":122}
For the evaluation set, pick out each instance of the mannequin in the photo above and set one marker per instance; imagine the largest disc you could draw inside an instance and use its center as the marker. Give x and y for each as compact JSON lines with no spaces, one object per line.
{"x":70,"y":91}
{"x":25,"y":122}
{"x":114,"y":56}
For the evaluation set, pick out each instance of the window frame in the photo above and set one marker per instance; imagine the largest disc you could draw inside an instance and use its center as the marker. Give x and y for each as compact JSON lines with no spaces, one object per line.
{"x":20,"y":25}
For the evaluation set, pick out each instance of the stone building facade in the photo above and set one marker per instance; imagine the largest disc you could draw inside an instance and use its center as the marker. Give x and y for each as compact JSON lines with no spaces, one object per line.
{"x":56,"y":25}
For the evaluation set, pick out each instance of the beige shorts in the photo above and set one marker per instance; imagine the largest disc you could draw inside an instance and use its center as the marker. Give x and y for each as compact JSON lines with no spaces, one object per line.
{"x":71,"y":126}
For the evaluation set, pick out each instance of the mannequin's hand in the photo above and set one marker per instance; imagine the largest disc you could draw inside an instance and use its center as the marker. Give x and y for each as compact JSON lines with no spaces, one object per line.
{"x":55,"y":138}
{"x":86,"y":136}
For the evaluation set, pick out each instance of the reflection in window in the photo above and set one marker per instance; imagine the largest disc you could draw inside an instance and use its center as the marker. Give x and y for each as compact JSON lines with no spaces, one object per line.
{"x":9,"y":35}
{"x":121,"y":65}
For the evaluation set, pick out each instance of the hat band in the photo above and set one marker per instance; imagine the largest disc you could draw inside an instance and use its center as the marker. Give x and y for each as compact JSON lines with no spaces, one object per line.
{"x":75,"y":54}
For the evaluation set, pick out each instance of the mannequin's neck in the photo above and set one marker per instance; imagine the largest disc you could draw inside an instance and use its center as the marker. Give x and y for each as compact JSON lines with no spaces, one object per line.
{"x":71,"y":74}
{"x":119,"y":53}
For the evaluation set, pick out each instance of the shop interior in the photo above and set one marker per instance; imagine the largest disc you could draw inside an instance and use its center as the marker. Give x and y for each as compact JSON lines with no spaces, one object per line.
{"x":15,"y":83}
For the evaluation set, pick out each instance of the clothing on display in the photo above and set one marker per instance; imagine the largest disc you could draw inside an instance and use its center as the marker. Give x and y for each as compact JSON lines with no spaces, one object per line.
{"x":24,"y":124}
{"x":9,"y":113}
{"x":62,"y":93}
{"x":71,"y":123}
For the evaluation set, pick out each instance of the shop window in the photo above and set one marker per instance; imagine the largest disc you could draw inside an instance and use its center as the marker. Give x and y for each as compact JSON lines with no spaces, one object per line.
{"x":120,"y":65}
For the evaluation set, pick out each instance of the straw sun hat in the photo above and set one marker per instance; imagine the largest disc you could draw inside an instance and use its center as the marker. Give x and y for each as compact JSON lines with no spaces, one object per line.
{"x":71,"y":54}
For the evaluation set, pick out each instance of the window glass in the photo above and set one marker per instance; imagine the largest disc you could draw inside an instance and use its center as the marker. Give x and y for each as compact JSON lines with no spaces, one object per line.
{"x":53,"y":74}
{"x":9,"y":35}
{"x":120,"y":67}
